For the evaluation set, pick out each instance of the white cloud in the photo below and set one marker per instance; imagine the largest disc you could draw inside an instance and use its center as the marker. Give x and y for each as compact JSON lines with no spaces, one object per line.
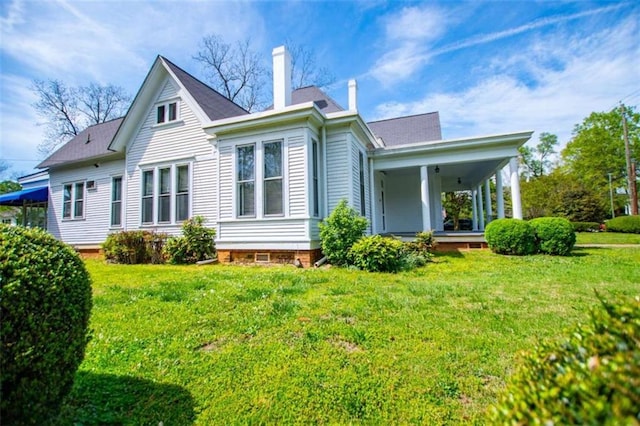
{"x":588,"y":74}
{"x":409,"y":34}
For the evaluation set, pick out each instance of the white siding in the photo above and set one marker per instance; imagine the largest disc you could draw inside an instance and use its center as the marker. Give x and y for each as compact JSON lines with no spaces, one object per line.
{"x":297,"y":177}
{"x":95,"y":226}
{"x":338,"y":175}
{"x":182,"y":141}
{"x":226,"y":182}
{"x":263,"y":230}
{"x":356,"y":149}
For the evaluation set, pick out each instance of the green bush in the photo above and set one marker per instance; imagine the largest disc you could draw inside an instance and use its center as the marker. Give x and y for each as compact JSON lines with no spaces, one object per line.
{"x":196,"y":243}
{"x":419,"y":251}
{"x":626,"y":224}
{"x":510,"y":236}
{"x":377,"y":254}
{"x":586,"y":226}
{"x":45,"y":304}
{"x":591,"y":377}
{"x":340,"y":231}
{"x":133,"y":247}
{"x":554,"y":235}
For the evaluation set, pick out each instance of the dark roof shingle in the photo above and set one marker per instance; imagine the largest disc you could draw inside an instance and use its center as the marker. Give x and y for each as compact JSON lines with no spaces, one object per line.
{"x":215,"y":105}
{"x":408,"y":130}
{"x":92,"y":142}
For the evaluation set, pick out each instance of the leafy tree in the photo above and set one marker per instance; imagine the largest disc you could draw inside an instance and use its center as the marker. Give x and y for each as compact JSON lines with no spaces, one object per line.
{"x":456,"y":203}
{"x":597,"y":149}
{"x":69,"y":110}
{"x":240,"y":74}
{"x":537,"y":161}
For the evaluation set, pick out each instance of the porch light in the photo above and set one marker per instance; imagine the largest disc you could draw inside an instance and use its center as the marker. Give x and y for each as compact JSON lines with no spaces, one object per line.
{"x":459,"y":181}
{"x":437,"y":169}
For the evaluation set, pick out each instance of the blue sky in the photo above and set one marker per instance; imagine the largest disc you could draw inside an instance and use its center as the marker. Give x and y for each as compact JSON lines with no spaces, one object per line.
{"x":487,"y":67}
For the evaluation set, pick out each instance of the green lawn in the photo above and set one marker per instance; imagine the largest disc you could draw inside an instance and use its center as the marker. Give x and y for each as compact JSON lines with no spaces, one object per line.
{"x":220,"y":344}
{"x":606,"y":238}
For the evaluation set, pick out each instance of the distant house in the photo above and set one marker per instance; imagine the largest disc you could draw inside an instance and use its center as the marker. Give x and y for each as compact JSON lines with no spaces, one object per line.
{"x":263,"y":180}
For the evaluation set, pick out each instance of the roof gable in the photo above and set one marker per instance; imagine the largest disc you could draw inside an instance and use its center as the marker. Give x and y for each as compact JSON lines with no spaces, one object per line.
{"x":214,"y":105}
{"x":408,"y":130}
{"x":92,"y":142}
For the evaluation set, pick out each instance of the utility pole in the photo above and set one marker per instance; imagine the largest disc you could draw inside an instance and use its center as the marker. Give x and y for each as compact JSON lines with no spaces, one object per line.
{"x":613,"y":214}
{"x":631,"y":172}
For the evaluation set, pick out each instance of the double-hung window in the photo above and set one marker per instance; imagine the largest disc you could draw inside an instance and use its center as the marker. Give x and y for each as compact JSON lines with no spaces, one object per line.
{"x":314,"y":177}
{"x":116,"y":201}
{"x":73,"y":200}
{"x":246,"y":180}
{"x":167,"y":112}
{"x":147,"y":197}
{"x":182,"y":193}
{"x":165,"y":194}
{"x":272,"y":185}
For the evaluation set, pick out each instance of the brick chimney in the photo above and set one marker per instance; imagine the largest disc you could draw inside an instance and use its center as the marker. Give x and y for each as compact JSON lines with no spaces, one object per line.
{"x":281,"y":78}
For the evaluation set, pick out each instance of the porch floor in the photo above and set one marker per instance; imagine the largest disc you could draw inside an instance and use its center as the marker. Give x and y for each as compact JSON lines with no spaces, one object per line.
{"x":450,"y":240}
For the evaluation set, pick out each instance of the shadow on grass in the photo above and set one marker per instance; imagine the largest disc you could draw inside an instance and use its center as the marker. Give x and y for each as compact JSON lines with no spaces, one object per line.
{"x":448,"y":254}
{"x":105,"y":399}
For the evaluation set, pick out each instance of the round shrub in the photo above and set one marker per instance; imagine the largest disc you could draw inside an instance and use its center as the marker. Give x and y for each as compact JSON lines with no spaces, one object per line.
{"x":340,"y":231}
{"x":45,"y":303}
{"x":377,"y":254}
{"x":554,"y":235}
{"x":510,"y":236}
{"x":626,"y":224}
{"x":590,"y":377}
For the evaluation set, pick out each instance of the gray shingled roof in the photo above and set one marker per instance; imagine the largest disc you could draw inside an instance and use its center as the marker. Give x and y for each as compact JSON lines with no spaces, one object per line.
{"x":92,"y":142}
{"x":313,"y":94}
{"x":407,"y":130}
{"x":215,"y":105}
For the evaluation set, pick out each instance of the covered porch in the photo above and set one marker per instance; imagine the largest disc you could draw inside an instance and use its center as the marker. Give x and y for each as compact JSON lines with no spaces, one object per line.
{"x":408,"y":182}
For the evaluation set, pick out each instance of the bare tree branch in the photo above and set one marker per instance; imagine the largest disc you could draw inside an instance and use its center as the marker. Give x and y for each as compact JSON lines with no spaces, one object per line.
{"x":304,"y":71}
{"x":69,"y":110}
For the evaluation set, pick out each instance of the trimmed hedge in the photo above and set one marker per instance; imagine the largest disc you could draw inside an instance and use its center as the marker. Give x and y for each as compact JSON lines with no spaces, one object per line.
{"x":376,"y":253}
{"x":591,"y":377}
{"x":554,"y":235}
{"x":133,"y":247}
{"x":626,"y":224}
{"x":45,"y":305}
{"x":511,"y":236}
{"x":340,"y":231}
{"x":586,"y":226}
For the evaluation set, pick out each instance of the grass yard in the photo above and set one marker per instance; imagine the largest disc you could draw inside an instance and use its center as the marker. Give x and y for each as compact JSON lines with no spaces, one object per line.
{"x":606,"y":238}
{"x":233,"y":344}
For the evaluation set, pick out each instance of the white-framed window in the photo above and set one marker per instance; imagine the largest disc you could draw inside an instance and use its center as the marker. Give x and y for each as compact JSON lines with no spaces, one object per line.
{"x":246,"y":180}
{"x":315,"y":179}
{"x":363,"y":210}
{"x":167,"y":112}
{"x":73,"y":195}
{"x":116,"y":201}
{"x":272,"y":179}
{"x":182,"y":193}
{"x":166,"y":193}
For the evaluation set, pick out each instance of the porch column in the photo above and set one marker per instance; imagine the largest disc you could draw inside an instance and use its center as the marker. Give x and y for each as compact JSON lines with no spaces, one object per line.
{"x":515,"y":188}
{"x":487,"y":200}
{"x":474,"y":210}
{"x":480,"y":209}
{"x":424,"y":198}
{"x":436,"y":190}
{"x":499,"y":195}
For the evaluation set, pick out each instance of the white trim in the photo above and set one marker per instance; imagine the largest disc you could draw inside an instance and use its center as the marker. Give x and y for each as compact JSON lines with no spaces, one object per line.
{"x":516,"y":204}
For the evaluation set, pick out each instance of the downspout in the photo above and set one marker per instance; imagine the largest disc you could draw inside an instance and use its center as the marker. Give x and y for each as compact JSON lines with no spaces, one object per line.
{"x":324,"y":171}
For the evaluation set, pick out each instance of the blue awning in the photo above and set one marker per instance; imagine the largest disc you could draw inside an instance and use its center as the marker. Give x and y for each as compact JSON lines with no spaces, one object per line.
{"x":31,"y":195}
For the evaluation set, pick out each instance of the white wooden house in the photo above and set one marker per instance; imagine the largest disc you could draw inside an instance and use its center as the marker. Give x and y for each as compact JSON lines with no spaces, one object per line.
{"x":264,"y":180}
